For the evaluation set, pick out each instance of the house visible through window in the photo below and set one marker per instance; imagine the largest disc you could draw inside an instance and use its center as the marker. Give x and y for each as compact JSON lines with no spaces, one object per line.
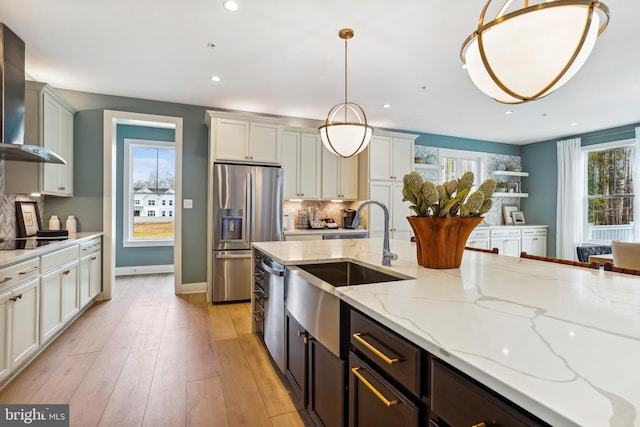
{"x":609,"y":178}
{"x":149,"y":182}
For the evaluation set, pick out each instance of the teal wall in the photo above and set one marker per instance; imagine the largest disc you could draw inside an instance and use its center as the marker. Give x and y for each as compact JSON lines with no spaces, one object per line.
{"x":444,"y":141}
{"x":135,"y":256}
{"x":541,"y":161}
{"x":87,"y":202}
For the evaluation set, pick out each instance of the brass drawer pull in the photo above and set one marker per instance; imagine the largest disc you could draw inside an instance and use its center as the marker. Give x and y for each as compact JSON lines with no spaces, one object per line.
{"x":381,"y":355}
{"x":6,"y":279}
{"x":364,"y":381}
{"x":485,"y":424}
{"x":16,"y":298}
{"x":29,"y":271}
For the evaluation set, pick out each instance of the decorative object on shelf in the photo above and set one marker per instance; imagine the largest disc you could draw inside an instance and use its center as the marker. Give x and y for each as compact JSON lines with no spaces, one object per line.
{"x":418,"y":160}
{"x":347,"y":134}
{"x":507,"y":211}
{"x":514,"y":169}
{"x":501,"y":167}
{"x":28,"y":219}
{"x":528,"y":53}
{"x":502,"y":187}
{"x":446,"y":216}
{"x":431,"y":159}
{"x":513,"y":187}
{"x":518,"y":218}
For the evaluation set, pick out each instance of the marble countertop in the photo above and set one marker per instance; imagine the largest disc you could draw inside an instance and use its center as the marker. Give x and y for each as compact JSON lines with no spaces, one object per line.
{"x":8,"y":257}
{"x":562,"y":342}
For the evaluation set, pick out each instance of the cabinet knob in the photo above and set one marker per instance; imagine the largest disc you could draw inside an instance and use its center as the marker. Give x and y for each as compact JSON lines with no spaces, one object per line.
{"x":61,"y":188}
{"x":16,"y":298}
{"x":302,"y":194}
{"x":66,"y":272}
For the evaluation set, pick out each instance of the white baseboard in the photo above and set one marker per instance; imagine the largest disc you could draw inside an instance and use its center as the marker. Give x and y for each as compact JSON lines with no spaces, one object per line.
{"x":193,"y":288}
{"x":144,"y":269}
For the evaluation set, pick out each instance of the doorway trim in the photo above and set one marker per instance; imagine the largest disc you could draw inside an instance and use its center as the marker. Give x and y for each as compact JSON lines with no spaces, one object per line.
{"x":111,"y":120}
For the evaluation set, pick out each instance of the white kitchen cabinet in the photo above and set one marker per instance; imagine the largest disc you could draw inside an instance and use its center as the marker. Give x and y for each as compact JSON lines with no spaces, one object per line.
{"x":49,"y":123}
{"x":90,"y":279}
{"x":339,"y":177}
{"x":507,"y":240}
{"x":480,"y":238}
{"x":23,"y":322}
{"x":59,"y":300}
{"x":534,"y":241}
{"x":5,"y":366}
{"x":302,"y":164}
{"x":389,"y":193}
{"x":390,"y":156}
{"x":239,"y":138}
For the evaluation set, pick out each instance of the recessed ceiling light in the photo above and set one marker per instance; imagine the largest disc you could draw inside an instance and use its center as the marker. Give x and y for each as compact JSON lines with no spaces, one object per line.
{"x":230,"y":5}
{"x":386,"y":106}
{"x":464,"y":66}
{"x":215,"y":78}
{"x":574,"y":124}
{"x":508,"y":112}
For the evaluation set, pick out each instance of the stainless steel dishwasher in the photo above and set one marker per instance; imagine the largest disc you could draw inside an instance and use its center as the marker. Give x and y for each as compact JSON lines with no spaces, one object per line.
{"x":273,"y":307}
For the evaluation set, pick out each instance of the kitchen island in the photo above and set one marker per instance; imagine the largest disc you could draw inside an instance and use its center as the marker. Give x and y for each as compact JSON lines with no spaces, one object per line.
{"x":561,"y":342}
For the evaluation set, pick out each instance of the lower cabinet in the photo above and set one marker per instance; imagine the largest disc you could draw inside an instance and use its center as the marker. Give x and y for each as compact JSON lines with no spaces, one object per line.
{"x":59,"y":296}
{"x":317,"y":376}
{"x":373,"y":401}
{"x":459,"y":401}
{"x":18,"y":325}
{"x":90,"y":280}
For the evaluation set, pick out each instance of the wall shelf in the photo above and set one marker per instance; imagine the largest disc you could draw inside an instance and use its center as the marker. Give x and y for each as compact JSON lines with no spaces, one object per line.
{"x":509,"y":173}
{"x":426,"y":166}
{"x":510,"y":194}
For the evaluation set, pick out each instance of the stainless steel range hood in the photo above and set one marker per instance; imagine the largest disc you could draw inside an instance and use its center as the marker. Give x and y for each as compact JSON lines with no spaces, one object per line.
{"x":12,"y":96}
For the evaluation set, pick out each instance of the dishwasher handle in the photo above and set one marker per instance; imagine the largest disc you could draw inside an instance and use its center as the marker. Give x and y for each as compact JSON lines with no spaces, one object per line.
{"x":272,"y":269}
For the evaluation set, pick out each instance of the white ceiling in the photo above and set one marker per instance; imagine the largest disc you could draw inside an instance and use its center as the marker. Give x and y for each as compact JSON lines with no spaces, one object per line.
{"x":284,"y":57}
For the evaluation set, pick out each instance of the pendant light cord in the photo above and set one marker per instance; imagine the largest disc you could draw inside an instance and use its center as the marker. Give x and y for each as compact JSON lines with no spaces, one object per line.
{"x":345,"y":78}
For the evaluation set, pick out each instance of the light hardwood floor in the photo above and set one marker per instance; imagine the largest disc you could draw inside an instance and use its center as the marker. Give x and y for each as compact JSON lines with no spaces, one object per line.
{"x":151,"y":358}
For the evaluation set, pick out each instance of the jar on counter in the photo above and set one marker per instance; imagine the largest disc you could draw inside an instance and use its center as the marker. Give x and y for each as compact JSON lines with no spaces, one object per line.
{"x":54,"y":223}
{"x":71,"y":224}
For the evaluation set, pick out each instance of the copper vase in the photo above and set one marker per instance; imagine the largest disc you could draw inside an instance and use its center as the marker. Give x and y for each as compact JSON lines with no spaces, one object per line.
{"x":440,"y":242}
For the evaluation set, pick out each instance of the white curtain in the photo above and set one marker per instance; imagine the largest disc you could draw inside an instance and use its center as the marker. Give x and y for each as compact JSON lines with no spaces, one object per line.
{"x":636,"y":191}
{"x":569,"y":210}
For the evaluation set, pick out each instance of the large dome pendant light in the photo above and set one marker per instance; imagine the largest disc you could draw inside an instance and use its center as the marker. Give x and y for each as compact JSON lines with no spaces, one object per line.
{"x":350,"y":136}
{"x":526,"y":54}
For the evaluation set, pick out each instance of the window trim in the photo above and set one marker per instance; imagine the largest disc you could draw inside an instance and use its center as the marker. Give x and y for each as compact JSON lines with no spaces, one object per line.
{"x":128,"y":205}
{"x":585,"y":150}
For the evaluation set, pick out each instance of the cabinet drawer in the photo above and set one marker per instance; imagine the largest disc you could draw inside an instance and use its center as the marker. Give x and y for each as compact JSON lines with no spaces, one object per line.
{"x":56,"y":259}
{"x":506,"y":233}
{"x":480,"y":234}
{"x":392,"y":354}
{"x":90,"y":246}
{"x":12,"y":275}
{"x":459,"y":402}
{"x":375,"y":402}
{"x":534,"y":232}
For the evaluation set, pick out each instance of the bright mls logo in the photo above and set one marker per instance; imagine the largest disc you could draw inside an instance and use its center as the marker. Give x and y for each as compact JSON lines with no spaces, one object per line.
{"x":34,"y":415}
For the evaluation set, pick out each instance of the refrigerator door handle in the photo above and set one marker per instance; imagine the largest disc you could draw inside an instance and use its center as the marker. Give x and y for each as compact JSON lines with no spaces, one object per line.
{"x":249,"y":208}
{"x":227,"y":256}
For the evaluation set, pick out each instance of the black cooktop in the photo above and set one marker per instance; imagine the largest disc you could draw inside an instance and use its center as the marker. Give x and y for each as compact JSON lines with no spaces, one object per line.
{"x":28,"y":243}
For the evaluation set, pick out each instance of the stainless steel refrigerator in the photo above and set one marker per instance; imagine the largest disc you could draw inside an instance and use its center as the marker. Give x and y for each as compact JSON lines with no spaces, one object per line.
{"x":247,"y":207}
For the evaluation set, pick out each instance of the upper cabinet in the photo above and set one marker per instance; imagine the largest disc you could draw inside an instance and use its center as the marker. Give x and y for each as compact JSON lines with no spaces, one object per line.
{"x":48,"y":123}
{"x":302,"y":164}
{"x":339,"y":177}
{"x":244,"y":139}
{"x":390,"y":156}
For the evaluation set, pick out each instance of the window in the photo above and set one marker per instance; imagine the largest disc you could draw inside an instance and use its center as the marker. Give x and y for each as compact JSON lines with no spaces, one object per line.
{"x":164,"y":202}
{"x":170,"y":202}
{"x":164,"y":213}
{"x":456,"y":162}
{"x":149,"y":168}
{"x":609,"y":179}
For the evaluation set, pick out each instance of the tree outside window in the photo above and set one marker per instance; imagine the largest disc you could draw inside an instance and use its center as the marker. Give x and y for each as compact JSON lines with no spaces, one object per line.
{"x":610,"y":174}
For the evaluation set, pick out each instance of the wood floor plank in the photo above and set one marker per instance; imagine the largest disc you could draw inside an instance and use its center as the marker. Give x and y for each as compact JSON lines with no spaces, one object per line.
{"x":90,"y":399}
{"x":290,"y":419}
{"x":242,"y":325}
{"x":274,"y":394}
{"x":64,"y":381}
{"x":201,"y":357}
{"x":167,"y":398}
{"x":128,"y":402}
{"x":242,"y":396}
{"x":239,"y":309}
{"x":208,"y":412}
{"x":222,"y":327}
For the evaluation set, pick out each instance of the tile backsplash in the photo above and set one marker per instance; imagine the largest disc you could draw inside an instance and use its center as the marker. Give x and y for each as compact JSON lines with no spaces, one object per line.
{"x":8,"y":208}
{"x":326,"y":209}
